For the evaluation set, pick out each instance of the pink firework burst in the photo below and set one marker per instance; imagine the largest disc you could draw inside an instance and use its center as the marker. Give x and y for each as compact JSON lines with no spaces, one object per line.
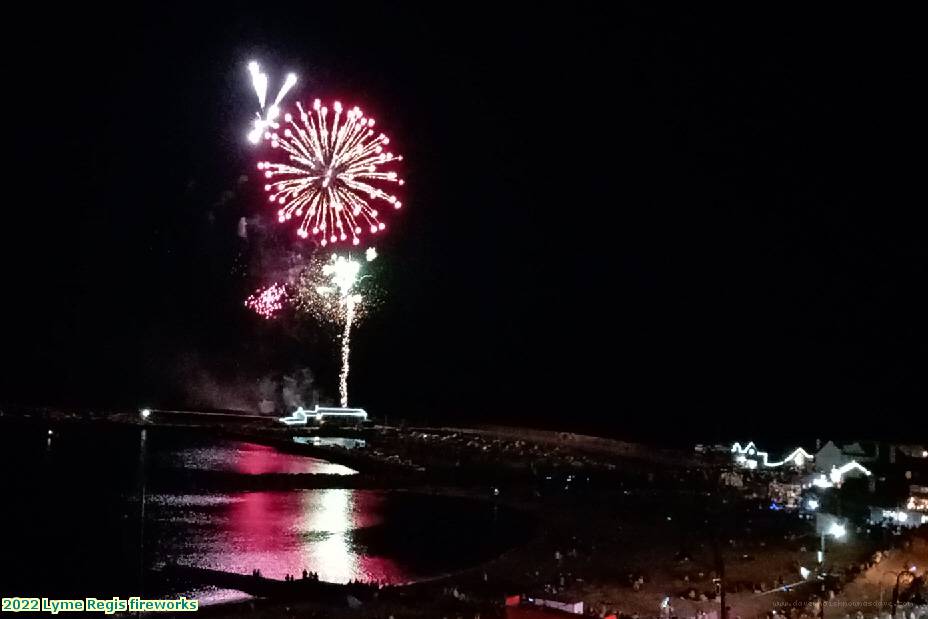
{"x":266,"y":302}
{"x":333,"y":174}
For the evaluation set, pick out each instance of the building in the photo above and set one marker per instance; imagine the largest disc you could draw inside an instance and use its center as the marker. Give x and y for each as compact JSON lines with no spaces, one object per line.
{"x":557,"y":603}
{"x":832,"y":456}
{"x":911,"y":451}
{"x":750,"y":457}
{"x":524,"y":611}
{"x":785,"y":495}
{"x":836,"y":476}
{"x":917,"y":500}
{"x":324,"y":415}
{"x":898,"y":517}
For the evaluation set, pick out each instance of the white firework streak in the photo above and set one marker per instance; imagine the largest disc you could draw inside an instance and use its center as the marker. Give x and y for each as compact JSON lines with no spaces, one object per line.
{"x":346,"y":351}
{"x":262,"y":125}
{"x":343,"y":275}
{"x":333,"y":177}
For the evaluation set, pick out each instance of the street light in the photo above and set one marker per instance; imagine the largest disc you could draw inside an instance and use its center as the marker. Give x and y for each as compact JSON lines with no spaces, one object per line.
{"x":911,"y":570}
{"x":828,"y":524}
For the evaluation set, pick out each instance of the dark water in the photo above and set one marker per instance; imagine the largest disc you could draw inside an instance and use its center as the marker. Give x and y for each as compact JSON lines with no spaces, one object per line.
{"x":75,"y":524}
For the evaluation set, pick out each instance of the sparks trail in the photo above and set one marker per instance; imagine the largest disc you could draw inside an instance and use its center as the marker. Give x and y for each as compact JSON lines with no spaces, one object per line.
{"x":346,"y":350}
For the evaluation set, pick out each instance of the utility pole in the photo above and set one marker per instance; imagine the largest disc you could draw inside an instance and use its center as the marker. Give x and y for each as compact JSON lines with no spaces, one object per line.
{"x":821,"y":552}
{"x":142,"y":488}
{"x":719,"y":554}
{"x":895,"y":598}
{"x":721,"y":570}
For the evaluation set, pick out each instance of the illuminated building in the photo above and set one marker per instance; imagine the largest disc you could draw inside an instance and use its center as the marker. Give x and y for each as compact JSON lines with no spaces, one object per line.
{"x":750,"y":457}
{"x":918,"y":498}
{"x":325,"y":415}
{"x":832,"y":456}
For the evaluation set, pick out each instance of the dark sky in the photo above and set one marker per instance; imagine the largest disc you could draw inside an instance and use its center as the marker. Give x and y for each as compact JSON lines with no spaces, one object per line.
{"x":613,"y":218}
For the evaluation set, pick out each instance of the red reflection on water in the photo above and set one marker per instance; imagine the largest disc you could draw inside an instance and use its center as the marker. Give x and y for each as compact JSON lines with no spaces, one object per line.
{"x":254,"y":459}
{"x":257,"y":535}
{"x":285,"y":532}
{"x":377,"y":569}
{"x":368,"y":512}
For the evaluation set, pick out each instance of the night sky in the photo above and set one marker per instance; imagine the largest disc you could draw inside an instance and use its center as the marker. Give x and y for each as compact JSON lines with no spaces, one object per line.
{"x":631,"y":222}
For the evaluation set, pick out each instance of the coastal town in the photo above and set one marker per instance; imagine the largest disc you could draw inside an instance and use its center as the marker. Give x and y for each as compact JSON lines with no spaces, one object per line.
{"x":610,"y":528}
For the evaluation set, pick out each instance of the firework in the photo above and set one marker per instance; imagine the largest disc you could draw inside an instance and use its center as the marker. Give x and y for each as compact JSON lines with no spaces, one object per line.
{"x":263,"y":124}
{"x":315,"y":295}
{"x":266,"y":302}
{"x":331,"y":179}
{"x":330,"y":291}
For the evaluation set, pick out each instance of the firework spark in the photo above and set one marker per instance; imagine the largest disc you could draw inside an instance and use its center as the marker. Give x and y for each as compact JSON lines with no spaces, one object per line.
{"x":263,"y":124}
{"x":329,"y":290}
{"x":315,"y":295}
{"x":331,"y":180}
{"x":267,"y":302}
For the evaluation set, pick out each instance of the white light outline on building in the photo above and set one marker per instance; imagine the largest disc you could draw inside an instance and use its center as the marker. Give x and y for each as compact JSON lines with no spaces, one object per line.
{"x":837,"y":472}
{"x":301,"y":416}
{"x":799,"y":455}
{"x":836,"y":475}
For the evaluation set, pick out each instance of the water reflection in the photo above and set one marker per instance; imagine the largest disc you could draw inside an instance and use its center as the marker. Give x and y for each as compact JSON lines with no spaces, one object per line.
{"x":148,"y":515}
{"x":247,"y":458}
{"x":277,"y":532}
{"x":331,"y":517}
{"x":330,"y":524}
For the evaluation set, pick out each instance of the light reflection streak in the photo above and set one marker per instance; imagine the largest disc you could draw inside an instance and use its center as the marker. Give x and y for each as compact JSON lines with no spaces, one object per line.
{"x":329,"y":520}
